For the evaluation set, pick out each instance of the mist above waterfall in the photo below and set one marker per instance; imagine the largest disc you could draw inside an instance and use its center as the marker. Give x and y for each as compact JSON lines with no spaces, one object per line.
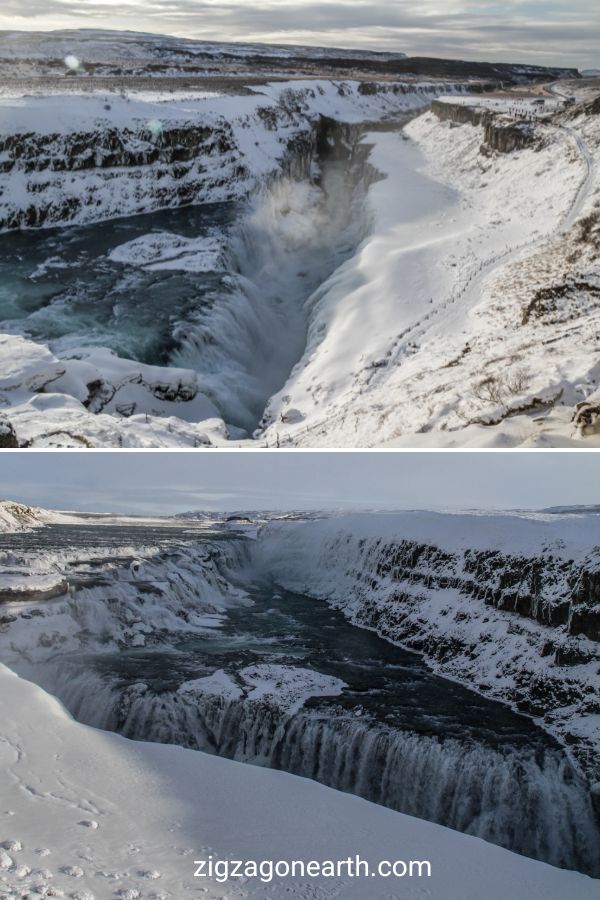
{"x":294,"y":234}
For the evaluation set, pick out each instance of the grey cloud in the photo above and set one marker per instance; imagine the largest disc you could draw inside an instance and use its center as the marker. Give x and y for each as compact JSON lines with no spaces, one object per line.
{"x":173,"y":482}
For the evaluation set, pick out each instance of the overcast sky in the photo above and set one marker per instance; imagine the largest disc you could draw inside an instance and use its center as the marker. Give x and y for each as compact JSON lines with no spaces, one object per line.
{"x":165,"y":483}
{"x":563,"y":32}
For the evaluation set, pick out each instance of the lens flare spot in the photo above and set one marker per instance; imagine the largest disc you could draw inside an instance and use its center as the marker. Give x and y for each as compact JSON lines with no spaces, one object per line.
{"x":155,"y":127}
{"x":72,"y":63}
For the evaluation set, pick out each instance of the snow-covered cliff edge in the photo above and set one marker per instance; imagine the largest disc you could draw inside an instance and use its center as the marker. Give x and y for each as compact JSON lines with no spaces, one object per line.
{"x":507,"y":604}
{"x":115,"y":818}
{"x":82,"y":158}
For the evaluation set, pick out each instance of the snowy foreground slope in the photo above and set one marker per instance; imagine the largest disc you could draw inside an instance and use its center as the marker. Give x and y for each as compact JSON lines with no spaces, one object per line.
{"x":507,"y":604}
{"x":88,"y":814}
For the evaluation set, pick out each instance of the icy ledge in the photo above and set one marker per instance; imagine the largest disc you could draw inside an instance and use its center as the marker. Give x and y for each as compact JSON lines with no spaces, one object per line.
{"x":91,"y":815}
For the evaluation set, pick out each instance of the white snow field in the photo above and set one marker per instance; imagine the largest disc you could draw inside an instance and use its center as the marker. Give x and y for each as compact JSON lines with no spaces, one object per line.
{"x":87,"y":814}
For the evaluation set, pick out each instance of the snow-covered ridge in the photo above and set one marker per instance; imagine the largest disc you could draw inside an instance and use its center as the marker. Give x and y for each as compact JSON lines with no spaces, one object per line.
{"x":507,"y":604}
{"x":20,"y":517}
{"x":101,"y":46}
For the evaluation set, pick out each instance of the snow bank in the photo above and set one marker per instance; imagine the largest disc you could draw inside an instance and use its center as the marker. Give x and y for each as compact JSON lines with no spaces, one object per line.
{"x":93,"y":815}
{"x":159,"y":251}
{"x":288,"y":686}
{"x":526,"y":534}
{"x":80,"y":397}
{"x":19,"y":585}
{"x":284,"y":687}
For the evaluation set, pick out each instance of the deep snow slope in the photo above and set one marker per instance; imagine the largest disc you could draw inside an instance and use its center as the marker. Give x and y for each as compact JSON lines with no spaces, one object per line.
{"x":508,"y":604}
{"x":469,"y":317}
{"x":88,"y":814}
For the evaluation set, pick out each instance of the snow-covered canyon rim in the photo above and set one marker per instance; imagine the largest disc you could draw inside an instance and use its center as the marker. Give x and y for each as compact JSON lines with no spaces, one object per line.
{"x":504,"y":604}
{"x":102,"y":851}
{"x":451,"y":302}
{"x":509,"y":604}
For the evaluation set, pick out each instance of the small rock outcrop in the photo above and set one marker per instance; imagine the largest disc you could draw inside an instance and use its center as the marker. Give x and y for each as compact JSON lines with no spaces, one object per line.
{"x":8,"y":437}
{"x":499,"y":133}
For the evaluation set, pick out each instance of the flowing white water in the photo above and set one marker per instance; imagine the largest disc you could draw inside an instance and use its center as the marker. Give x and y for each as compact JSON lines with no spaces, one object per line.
{"x":528,"y":800}
{"x":294,"y":235}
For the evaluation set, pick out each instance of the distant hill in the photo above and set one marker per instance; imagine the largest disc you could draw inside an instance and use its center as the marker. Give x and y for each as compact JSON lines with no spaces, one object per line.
{"x":101,"y":46}
{"x":593,"y":509}
{"x":122,"y":53}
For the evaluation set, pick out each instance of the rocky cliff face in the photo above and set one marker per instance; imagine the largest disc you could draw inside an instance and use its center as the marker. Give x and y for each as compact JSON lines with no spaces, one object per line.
{"x":169,"y":168}
{"x":498,"y":133}
{"x":115,"y":158}
{"x":559,"y":593}
{"x":521,"y":625}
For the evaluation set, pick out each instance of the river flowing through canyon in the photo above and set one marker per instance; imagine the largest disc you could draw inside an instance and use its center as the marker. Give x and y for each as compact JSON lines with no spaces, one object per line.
{"x":218,"y":289}
{"x":365,"y":716}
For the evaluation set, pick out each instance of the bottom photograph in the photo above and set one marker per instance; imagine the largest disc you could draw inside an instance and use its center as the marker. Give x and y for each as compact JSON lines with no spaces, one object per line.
{"x":308,"y":675}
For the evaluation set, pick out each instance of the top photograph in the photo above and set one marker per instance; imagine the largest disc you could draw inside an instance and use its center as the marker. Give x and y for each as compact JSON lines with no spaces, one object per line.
{"x":294,"y":224}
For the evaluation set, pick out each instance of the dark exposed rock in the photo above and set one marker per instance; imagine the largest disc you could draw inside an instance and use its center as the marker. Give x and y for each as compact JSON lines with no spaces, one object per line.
{"x":551,"y":590}
{"x":34,"y":594}
{"x":8,"y":437}
{"x":499,"y":134}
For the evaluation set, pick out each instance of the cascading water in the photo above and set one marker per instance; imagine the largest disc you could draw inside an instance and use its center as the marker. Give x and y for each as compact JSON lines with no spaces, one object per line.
{"x":294,"y":235}
{"x":397,"y":734}
{"x":239,"y":320}
{"x":528,"y":799}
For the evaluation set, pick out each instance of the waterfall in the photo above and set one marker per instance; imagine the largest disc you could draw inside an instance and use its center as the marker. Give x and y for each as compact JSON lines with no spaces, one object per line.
{"x":292,"y":237}
{"x":527,"y":799}
{"x":520,"y":792}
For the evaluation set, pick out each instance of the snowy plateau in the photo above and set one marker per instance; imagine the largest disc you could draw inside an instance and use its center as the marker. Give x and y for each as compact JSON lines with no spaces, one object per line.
{"x":154,"y":680}
{"x":394,"y":252}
